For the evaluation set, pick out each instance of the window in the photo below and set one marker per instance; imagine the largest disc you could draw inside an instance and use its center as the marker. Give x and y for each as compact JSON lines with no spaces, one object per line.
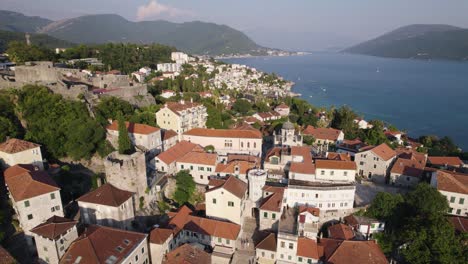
{"x":191,"y":167}
{"x":26,"y":204}
{"x":291,"y":246}
{"x":142,"y":250}
{"x":228,"y":241}
{"x":452,"y":199}
{"x":300,"y":259}
{"x":289,"y":257}
{"x":273,"y":216}
{"x":45,"y":249}
{"x":282,"y":245}
{"x":309,"y":261}
{"x":231,"y":204}
{"x":272,"y":256}
{"x":282,"y":256}
{"x":345,"y":173}
{"x":332,"y":173}
{"x":182,"y":166}
{"x":450,"y":210}
{"x":242,"y":144}
{"x":375,"y":166}
{"x":201,"y":177}
{"x":316,"y":195}
{"x":263,"y":254}
{"x":322,"y":172}
{"x":219,"y":240}
{"x":52,"y":196}
{"x":214,"y":200}
{"x":255,"y":144}
{"x":462,"y":201}
{"x":208,"y":169}
{"x":201,"y":168}
{"x":265,"y":215}
{"x":248,"y":144}
{"x":30,"y":216}
{"x":361,"y":163}
{"x":52,"y":209}
{"x":320,"y":205}
{"x":458,"y":211}
{"x":228,"y":143}
{"x":136,"y":258}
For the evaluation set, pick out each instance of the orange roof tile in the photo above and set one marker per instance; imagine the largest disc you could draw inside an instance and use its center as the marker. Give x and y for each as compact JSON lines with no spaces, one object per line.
{"x":445,"y":161}
{"x":452,"y":182}
{"x":106,"y":194}
{"x":160,"y":235}
{"x":268,"y":243}
{"x":307,"y":247}
{"x":313,"y":210}
{"x":167,"y":134}
{"x":224,"y":133}
{"x":53,"y":227}
{"x":269,"y":188}
{"x":199,"y":158}
{"x":338,"y":156}
{"x":303,"y":151}
{"x":384,"y":151}
{"x":357,"y":252}
{"x":134,"y":128}
{"x":322,"y":133}
{"x":407,"y":167}
{"x":178,"y":107}
{"x":282,"y":106}
{"x":234,"y":186}
{"x":14,"y":145}
{"x":177,"y":151}
{"x":273,"y":202}
{"x":26,"y":181}
{"x":187,"y":254}
{"x":229,"y":168}
{"x":335,"y":164}
{"x":306,"y":167}
{"x":340,"y":231}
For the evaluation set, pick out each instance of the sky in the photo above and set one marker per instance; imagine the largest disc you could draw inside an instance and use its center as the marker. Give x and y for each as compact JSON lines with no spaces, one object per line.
{"x":288,"y":24}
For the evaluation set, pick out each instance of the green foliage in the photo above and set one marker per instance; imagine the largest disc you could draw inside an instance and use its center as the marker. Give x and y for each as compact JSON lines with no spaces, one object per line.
{"x":125,"y":145}
{"x":375,"y":135}
{"x":308,"y":140}
{"x":242,"y":106}
{"x":209,"y":148}
{"x":185,"y":187}
{"x":261,"y":107}
{"x":383,"y":206}
{"x":343,"y":119}
{"x":110,"y":107}
{"x":142,"y":202}
{"x":439,"y":147}
{"x":105,"y":148}
{"x":41,"y":40}
{"x":20,"y":52}
{"x":163,"y":207}
{"x":9,"y":124}
{"x":63,"y":127}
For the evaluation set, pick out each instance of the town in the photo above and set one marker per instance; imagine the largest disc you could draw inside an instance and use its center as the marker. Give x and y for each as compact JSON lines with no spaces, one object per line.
{"x":192,"y":160}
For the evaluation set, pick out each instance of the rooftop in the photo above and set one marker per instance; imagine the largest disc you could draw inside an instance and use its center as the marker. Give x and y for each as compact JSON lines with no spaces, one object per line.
{"x":384,"y":151}
{"x":452,"y":182}
{"x":322,"y":133}
{"x":268,"y":243}
{"x":106,"y":194}
{"x":273,"y":202}
{"x":187,"y":254}
{"x":14,"y":145}
{"x":308,"y":248}
{"x":178,"y":107}
{"x":224,"y":133}
{"x":54,"y":227}
{"x":335,"y":164}
{"x":340,"y":231}
{"x":196,"y":157}
{"x":352,"y":252}
{"x":134,"y":128}
{"x":233,"y":185}
{"x":445,"y":161}
{"x":177,"y":151}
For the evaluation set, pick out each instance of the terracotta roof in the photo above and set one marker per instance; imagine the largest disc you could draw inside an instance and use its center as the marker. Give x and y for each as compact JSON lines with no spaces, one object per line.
{"x":306,"y":167}
{"x":224,"y":133}
{"x":54,"y":227}
{"x":268,"y":243}
{"x":322,"y":133}
{"x":273,"y":202}
{"x":275,"y":151}
{"x":410,"y":154}
{"x":25,"y":181}
{"x":214,"y":182}
{"x":355,"y":220}
{"x":384,"y":151}
{"x":98,"y":243}
{"x":338,"y":156}
{"x":452,"y":182}
{"x":303,"y":151}
{"x":355,"y":252}
{"x":460,"y":223}
{"x":134,"y":128}
{"x":178,"y":107}
{"x":187,"y":254}
{"x":160,"y":235}
{"x":167,"y":134}
{"x":354,"y":145}
{"x":229,"y":168}
{"x":244,"y":157}
{"x":445,"y":161}
{"x":313,"y":210}
{"x":308,"y":248}
{"x":177,"y":151}
{"x":234,"y":186}
{"x":5,"y":257}
{"x":14,"y":145}
{"x":335,"y":164}
{"x":340,"y":231}
{"x":407,"y":167}
{"x":269,"y":188}
{"x":282,"y":106}
{"x":106,"y":194}
{"x":196,"y":157}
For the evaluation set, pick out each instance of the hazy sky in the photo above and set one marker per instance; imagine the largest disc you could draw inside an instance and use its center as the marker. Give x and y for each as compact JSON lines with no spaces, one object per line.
{"x":293,"y":24}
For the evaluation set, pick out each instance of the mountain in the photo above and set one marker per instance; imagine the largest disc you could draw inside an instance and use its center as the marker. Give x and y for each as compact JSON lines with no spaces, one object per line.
{"x":193,"y":37}
{"x":37,"y":39}
{"x":418,"y":41}
{"x":13,"y":21}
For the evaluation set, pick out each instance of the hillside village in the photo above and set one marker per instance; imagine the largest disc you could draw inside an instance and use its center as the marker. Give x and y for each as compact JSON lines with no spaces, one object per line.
{"x":222,"y":165}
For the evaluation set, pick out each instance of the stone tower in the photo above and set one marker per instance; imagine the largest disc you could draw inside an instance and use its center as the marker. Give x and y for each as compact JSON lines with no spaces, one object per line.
{"x":257,"y":179}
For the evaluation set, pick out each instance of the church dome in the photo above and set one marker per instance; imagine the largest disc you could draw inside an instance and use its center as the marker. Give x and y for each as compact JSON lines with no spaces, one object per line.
{"x":288,"y":125}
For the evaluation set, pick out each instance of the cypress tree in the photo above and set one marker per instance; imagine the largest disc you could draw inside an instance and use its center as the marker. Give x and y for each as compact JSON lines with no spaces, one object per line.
{"x":125,"y":145}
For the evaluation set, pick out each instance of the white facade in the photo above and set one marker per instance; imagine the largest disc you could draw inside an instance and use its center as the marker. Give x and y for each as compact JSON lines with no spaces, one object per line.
{"x":200,"y":172}
{"x":140,"y":135}
{"x":222,"y":204}
{"x":372,"y":166}
{"x":50,"y":251}
{"x":256,"y":179}
{"x":323,"y":197}
{"x":30,"y":156}
{"x":179,"y":57}
{"x":334,"y":175}
{"x":112,"y":216}
{"x":182,"y":118}
{"x":169,"y":67}
{"x":457,"y":199}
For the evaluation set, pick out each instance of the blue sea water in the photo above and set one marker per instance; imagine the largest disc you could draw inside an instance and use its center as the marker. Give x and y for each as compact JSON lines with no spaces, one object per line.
{"x":419,"y":97}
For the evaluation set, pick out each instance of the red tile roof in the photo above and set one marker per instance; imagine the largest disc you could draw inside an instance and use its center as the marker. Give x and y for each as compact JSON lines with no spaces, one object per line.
{"x":244,"y":157}
{"x":98,"y":243}
{"x":269,"y":188}
{"x":338,"y":156}
{"x":268,"y":243}
{"x":303,"y":151}
{"x":224,"y":133}
{"x":54,"y":227}
{"x":234,"y":186}
{"x":340,"y":231}
{"x":273,"y":202}
{"x":308,"y":248}
{"x":306,"y":167}
{"x":335,"y":164}
{"x":187,"y":254}
{"x":195,"y":157}
{"x":229,"y":168}
{"x":180,"y":149}
{"x":445,"y":161}
{"x":26,"y":181}
{"x":407,"y":167}
{"x":460,"y":223}
{"x":178,"y":107}
{"x":452,"y":182}
{"x":5,"y":256}
{"x":14,"y":145}
{"x":134,"y":128}
{"x":322,"y":133}
{"x":106,"y":194}
{"x":282,"y":106}
{"x":352,"y":252}
{"x":313,"y":210}
{"x":384,"y":151}
{"x":167,"y":134}
{"x":160,"y":235}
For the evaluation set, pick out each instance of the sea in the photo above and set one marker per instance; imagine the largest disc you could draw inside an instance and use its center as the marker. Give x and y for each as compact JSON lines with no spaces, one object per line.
{"x":420,"y":97}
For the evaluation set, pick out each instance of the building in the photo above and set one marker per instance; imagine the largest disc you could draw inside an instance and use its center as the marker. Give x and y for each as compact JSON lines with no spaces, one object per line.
{"x":168,"y":94}
{"x":283,"y":109}
{"x":445,"y":162}
{"x":335,"y":171}
{"x":351,"y":252}
{"x":227,"y":141}
{"x":237,"y":168}
{"x":341,"y":231}
{"x":362,"y":124}
{"x":53,"y":237}
{"x":144,"y":137}
{"x":366,"y":226}
{"x":338,"y":156}
{"x":352,"y":147}
{"x":169,"y":139}
{"x":16,"y":151}
{"x":454,"y":186}
{"x":288,"y":136}
{"x":99,"y":244}
{"x":273,"y":250}
{"x":267,"y":116}
{"x":108,"y":206}
{"x":179,"y":57}
{"x":406,"y":172}
{"x":187,"y":254}
{"x":376,"y":162}
{"x":169,"y":67}
{"x":166,"y":161}
{"x":35,"y":197}
{"x":324,"y":136}
{"x":270,"y":210}
{"x":256,"y":181}
{"x":181,"y":116}
{"x":265,"y":250}
{"x":201,"y":165}
{"x":308,"y":222}
{"x":226,"y":199}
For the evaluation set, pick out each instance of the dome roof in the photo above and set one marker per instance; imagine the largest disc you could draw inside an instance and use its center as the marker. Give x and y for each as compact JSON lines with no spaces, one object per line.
{"x":288,"y":125}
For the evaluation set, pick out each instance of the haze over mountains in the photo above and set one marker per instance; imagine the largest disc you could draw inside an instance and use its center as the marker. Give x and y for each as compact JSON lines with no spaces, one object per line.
{"x":421,"y":41}
{"x":193,"y":37}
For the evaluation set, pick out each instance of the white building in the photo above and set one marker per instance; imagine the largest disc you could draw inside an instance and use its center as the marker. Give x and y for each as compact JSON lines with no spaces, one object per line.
{"x":144,"y":137}
{"x":35,"y":197}
{"x":179,"y":57}
{"x":288,"y":136}
{"x":200,"y":165}
{"x":324,"y":136}
{"x":335,"y":171}
{"x":226,"y":200}
{"x":169,"y":67}
{"x":181,"y":116}
{"x":169,"y":139}
{"x":454,"y":186}
{"x":168,"y":94}
{"x":308,"y":222}
{"x":365,"y":225}
{"x":270,"y":210}
{"x":108,"y":206}
{"x":99,"y":244}
{"x":16,"y":151}
{"x":227,"y":141}
{"x":376,"y":162}
{"x":257,"y":179}
{"x":53,"y":237}
{"x":282,"y":109}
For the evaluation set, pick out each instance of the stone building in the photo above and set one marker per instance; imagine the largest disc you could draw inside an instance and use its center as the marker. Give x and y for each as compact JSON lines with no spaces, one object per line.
{"x":144,"y":137}
{"x":16,"y":151}
{"x":181,"y":116}
{"x":375,"y":163}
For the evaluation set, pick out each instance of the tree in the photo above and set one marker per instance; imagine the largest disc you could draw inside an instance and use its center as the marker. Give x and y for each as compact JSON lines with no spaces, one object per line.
{"x":343,"y":119}
{"x":125,"y":145}
{"x":185,"y":187}
{"x":110,"y":107}
{"x":383,"y":206}
{"x":20,"y":52}
{"x":242,"y":106}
